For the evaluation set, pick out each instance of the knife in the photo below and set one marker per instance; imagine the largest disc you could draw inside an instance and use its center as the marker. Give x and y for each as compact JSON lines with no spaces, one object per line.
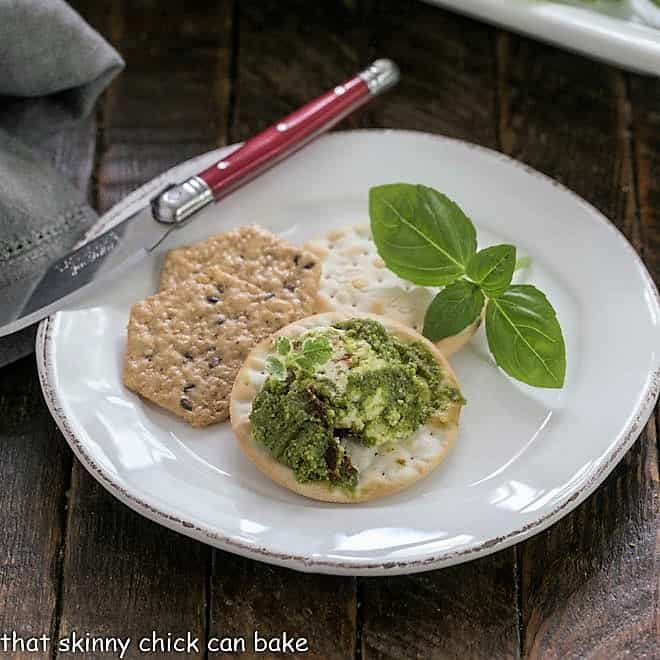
{"x":29,"y":300}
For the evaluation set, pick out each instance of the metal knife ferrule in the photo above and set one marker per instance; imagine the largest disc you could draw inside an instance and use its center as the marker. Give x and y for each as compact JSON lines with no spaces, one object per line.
{"x":380,"y":76}
{"x":179,"y":201}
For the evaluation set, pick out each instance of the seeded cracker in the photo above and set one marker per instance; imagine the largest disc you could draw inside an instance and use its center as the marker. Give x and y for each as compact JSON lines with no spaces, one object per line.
{"x":255,"y":255}
{"x":186,"y":344}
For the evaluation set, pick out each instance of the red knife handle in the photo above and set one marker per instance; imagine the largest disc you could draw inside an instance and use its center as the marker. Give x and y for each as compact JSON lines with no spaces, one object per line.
{"x":178,"y":202}
{"x":289,"y":134}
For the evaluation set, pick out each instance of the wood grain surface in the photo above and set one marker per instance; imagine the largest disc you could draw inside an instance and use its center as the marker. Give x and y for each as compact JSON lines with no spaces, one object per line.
{"x":35,"y":465}
{"x":644,"y":98}
{"x":72,"y":558}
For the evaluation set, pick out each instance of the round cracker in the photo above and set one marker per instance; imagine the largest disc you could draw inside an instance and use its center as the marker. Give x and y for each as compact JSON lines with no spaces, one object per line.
{"x":383,"y":470}
{"x":354,"y":278}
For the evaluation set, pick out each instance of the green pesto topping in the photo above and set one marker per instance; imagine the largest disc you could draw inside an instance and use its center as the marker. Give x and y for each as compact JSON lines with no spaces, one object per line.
{"x":352,"y":382}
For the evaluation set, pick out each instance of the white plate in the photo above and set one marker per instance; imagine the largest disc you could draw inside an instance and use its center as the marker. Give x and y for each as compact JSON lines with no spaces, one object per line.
{"x":619,"y":32}
{"x":523,"y":458}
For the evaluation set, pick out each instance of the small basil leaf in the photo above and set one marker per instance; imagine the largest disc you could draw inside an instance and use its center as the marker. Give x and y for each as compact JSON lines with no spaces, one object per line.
{"x":316,"y":351}
{"x":492,"y":268}
{"x":421,"y":235}
{"x":275,"y":367}
{"x":283,"y":346}
{"x":525,"y":338}
{"x":304,"y":364}
{"x":453,"y":309}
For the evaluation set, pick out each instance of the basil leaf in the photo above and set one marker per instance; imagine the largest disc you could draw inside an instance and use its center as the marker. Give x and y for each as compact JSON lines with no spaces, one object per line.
{"x":275,"y":367}
{"x":421,"y":235}
{"x":316,"y":351}
{"x":283,"y":346}
{"x":525,"y":338}
{"x":303,"y":363}
{"x":492,"y":268}
{"x":452,"y":310}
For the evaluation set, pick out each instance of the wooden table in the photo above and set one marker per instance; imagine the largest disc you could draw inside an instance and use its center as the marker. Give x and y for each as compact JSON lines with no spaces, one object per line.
{"x":202,"y":74}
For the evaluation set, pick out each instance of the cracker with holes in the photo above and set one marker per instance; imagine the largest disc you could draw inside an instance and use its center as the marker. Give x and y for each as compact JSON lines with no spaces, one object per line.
{"x":355,"y":279}
{"x":255,"y":255}
{"x":346,"y":408}
{"x":186,"y":344}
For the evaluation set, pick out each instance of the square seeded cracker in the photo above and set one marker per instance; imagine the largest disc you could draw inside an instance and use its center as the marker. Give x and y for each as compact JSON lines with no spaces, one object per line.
{"x":255,"y":255}
{"x":186,"y":344}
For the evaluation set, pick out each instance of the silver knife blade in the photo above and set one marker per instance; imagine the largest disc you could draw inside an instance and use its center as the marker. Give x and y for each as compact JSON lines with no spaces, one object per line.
{"x":27,"y":301}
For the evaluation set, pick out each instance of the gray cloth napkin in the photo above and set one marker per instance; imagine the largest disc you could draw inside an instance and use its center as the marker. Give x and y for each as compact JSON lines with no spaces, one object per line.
{"x":53,"y":67}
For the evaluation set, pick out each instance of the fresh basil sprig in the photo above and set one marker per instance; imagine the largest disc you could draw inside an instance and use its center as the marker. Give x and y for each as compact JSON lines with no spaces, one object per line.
{"x":424,"y":237}
{"x":315,"y":351}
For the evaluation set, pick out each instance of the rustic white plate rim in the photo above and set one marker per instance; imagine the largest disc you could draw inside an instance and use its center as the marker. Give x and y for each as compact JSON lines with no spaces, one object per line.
{"x":169,"y":516}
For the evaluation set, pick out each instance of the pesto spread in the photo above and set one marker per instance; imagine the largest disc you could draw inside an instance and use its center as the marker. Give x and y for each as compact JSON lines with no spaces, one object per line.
{"x":352,"y":381}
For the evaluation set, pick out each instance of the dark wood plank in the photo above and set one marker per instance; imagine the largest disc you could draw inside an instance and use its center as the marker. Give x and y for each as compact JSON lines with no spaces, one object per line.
{"x":588,"y":582}
{"x":248,"y":596}
{"x":286,"y":58}
{"x":448,"y":86}
{"x":465,"y":611}
{"x":123,"y":575}
{"x":126,"y":576}
{"x":645,"y":115}
{"x":35,"y":464}
{"x":566,"y":116}
{"x":448,"y":75}
{"x":172,"y":101}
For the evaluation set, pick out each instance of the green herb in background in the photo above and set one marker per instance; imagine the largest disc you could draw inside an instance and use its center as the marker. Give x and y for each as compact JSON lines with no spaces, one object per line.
{"x":425,"y":238}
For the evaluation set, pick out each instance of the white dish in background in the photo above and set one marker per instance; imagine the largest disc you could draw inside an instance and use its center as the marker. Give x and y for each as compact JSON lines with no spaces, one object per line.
{"x":648,"y":11}
{"x":621,"y":33}
{"x":524,"y":457}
